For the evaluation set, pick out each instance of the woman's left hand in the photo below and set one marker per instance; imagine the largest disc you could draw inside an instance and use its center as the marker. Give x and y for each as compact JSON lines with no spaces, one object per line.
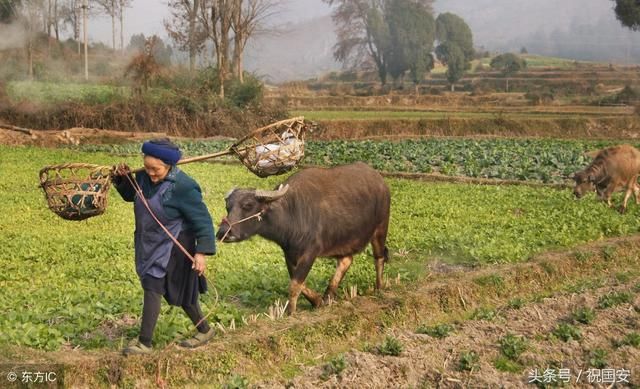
{"x":200,"y":263}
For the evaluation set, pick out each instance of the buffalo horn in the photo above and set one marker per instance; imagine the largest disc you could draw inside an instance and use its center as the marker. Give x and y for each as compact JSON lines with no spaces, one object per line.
{"x":271,"y":195}
{"x":229,"y":193}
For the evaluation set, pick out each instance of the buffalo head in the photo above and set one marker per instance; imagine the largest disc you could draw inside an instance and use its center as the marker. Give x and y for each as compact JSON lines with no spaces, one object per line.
{"x":245,"y":210}
{"x":584,"y":184}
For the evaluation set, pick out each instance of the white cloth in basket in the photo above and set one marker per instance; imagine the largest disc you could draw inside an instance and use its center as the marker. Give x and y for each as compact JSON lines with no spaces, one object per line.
{"x":274,"y":155}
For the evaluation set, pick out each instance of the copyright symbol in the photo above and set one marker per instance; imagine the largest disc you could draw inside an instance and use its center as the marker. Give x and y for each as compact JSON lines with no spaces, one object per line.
{"x":11,"y":377}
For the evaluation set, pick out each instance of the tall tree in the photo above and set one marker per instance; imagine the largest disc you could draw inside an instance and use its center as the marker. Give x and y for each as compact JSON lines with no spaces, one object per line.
{"x":30,"y":14}
{"x":628,"y":13}
{"x":412,"y":32}
{"x":363,"y":33}
{"x":185,"y":28}
{"x":248,"y":19}
{"x":122,"y":4}
{"x":70,"y":15}
{"x":455,"y":46}
{"x":451,"y":28}
{"x":453,"y":56}
{"x":111,"y":8}
{"x":216,"y":19}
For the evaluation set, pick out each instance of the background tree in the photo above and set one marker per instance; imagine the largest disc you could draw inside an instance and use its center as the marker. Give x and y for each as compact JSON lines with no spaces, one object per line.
{"x":216,"y":18}
{"x":453,"y":56}
{"x":509,"y":64}
{"x":160,"y":51}
{"x":248,"y":19}
{"x":70,"y":16}
{"x":144,"y":67}
{"x":30,"y":13}
{"x":451,"y":28}
{"x":111,"y":8}
{"x":9,"y":10}
{"x":185,"y":29}
{"x":412,"y":32}
{"x":628,"y":13}
{"x":122,"y":4}
{"x":362,"y":33}
{"x":455,"y":47}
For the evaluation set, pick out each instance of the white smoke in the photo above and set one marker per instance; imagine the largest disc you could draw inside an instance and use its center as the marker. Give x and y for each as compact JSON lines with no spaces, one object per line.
{"x":12,"y":36}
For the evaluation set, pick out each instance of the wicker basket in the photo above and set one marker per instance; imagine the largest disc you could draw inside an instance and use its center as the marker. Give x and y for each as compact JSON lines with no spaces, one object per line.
{"x":274,"y":149}
{"x":76,"y":191}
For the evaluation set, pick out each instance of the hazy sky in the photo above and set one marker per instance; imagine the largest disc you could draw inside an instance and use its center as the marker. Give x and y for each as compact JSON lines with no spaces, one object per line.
{"x":146,"y":16}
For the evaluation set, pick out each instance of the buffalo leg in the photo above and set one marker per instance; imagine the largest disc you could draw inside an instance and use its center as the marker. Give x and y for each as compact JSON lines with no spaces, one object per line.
{"x":627,"y":194}
{"x":606,"y":194}
{"x":341,"y":269}
{"x":631,"y":188}
{"x":297,"y":286}
{"x":314,"y":298}
{"x":380,"y":253}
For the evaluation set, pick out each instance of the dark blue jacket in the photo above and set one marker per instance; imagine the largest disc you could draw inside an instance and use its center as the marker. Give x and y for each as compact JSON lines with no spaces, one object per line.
{"x":183,"y":199}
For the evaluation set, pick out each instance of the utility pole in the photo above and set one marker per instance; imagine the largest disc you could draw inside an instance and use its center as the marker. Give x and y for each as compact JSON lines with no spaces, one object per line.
{"x":84,"y":23}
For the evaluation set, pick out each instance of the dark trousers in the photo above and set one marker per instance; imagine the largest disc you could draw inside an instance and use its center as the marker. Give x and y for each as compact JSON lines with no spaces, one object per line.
{"x":151,"y":311}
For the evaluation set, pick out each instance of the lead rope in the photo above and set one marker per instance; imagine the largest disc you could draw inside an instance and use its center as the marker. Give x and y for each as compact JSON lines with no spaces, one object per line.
{"x":138,"y":190}
{"x":257,"y":215}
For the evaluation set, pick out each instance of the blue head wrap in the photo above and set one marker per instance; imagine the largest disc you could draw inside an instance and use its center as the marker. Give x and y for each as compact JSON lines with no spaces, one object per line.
{"x":163,"y":149}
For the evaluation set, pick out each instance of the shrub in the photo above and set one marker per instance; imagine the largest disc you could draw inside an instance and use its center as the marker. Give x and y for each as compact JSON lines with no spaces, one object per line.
{"x":632,"y":339}
{"x":598,"y":358}
{"x":390,"y":346}
{"x":236,"y":382}
{"x":483,"y":313}
{"x":584,"y":315}
{"x":468,"y":361}
{"x":613,"y":299}
{"x":567,"y":332}
{"x":438,"y":331}
{"x":335,"y":366}
{"x":512,"y":346}
{"x":249,"y":92}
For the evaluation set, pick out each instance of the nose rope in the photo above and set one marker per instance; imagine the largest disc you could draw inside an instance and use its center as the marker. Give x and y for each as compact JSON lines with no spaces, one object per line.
{"x":225,"y":220}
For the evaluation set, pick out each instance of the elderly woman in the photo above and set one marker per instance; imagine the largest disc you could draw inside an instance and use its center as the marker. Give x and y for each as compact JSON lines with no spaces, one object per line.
{"x":175,"y":200}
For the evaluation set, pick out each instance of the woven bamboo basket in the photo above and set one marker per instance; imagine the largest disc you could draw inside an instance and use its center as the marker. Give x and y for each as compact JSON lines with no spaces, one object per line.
{"x":274,"y":149}
{"x":76,"y":191}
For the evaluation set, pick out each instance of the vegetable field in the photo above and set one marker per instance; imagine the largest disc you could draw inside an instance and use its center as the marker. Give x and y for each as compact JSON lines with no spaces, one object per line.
{"x":72,"y":284}
{"x":536,"y":160}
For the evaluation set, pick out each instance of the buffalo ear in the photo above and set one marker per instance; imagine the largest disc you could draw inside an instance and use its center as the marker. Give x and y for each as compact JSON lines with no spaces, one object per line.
{"x":272,"y":195}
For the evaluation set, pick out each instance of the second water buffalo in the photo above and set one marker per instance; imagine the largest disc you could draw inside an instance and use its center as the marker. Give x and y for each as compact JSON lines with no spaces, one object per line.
{"x":612,"y":169}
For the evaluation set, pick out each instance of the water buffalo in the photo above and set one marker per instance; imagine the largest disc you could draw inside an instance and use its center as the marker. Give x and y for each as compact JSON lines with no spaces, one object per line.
{"x":316,"y":212}
{"x":612,"y":169}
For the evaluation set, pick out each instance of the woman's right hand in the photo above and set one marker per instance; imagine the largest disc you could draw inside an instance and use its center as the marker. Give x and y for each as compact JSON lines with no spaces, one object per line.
{"x":121,"y":169}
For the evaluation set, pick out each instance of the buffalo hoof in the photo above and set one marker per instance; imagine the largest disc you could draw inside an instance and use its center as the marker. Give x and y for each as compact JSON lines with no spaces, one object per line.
{"x":622,"y":209}
{"x":328,"y":300}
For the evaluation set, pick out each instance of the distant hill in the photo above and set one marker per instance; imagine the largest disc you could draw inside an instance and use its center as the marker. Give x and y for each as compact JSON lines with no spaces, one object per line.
{"x":304,"y":50}
{"x":573,"y":29}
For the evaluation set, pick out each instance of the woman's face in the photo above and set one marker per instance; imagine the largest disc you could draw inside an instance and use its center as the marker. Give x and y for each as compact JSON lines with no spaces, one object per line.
{"x":155,"y":168}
